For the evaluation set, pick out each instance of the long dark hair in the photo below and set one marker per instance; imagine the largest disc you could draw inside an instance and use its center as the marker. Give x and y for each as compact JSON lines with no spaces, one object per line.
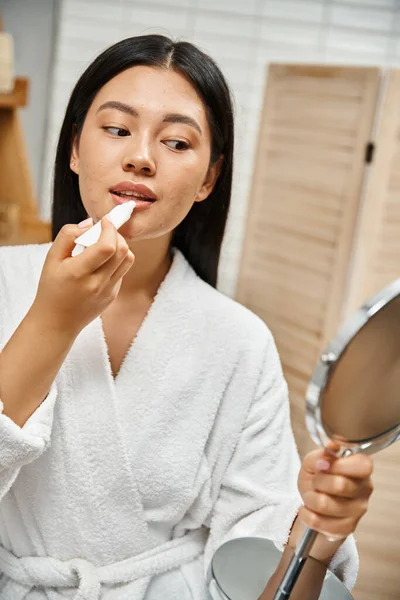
{"x":200,"y":235}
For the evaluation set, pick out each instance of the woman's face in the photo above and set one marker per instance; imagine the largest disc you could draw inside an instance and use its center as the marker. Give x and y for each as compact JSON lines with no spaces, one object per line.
{"x":146,"y":126}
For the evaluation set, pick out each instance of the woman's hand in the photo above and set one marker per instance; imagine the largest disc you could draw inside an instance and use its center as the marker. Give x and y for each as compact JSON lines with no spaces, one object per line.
{"x":335,"y":491}
{"x":73,"y":291}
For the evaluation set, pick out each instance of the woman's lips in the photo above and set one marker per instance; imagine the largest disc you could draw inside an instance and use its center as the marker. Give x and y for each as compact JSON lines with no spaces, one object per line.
{"x":132,"y":188}
{"x":140,"y":204}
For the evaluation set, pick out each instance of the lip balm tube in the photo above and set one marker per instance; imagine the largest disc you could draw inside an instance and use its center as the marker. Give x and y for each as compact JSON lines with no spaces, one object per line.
{"x":119,"y":215}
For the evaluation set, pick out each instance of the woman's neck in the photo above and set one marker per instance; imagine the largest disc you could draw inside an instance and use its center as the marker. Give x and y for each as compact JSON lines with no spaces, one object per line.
{"x":152,"y":262}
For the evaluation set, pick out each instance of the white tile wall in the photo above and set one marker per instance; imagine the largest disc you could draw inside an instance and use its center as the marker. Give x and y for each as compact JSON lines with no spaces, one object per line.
{"x":96,"y":11}
{"x":299,"y":11}
{"x":372,"y":19}
{"x":243,"y":37}
{"x":372,"y":43}
{"x":366,"y":3}
{"x":237,"y":7}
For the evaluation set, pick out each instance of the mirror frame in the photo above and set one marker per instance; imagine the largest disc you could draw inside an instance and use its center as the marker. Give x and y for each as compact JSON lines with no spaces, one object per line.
{"x":327,"y":361}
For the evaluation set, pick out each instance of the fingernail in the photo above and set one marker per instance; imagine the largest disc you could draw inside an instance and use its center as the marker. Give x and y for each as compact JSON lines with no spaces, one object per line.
{"x":323,"y":465}
{"x":86,"y":223}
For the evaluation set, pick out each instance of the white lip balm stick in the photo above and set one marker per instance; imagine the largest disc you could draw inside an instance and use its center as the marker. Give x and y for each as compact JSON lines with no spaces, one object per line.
{"x":119,"y":215}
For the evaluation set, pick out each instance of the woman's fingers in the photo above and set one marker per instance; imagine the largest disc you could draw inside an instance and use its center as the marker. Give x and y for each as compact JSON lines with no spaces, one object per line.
{"x":107,"y":270}
{"x":343,"y":487}
{"x":357,"y":466}
{"x":93,"y":257}
{"x":108,"y":260}
{"x":123,"y":268}
{"x":310,"y":461}
{"x":65,"y":241}
{"x":334,"y":506}
{"x":331,"y":527}
{"x":335,"y":491}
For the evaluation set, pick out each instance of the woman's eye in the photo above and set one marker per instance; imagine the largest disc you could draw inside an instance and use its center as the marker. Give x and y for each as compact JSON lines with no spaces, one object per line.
{"x":177,"y":144}
{"x":117,"y":131}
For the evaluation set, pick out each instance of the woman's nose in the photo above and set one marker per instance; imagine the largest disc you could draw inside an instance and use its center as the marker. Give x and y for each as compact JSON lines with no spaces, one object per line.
{"x":139,"y":159}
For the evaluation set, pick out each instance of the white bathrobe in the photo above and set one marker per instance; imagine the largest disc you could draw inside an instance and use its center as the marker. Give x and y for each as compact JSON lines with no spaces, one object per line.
{"x":124,"y":489}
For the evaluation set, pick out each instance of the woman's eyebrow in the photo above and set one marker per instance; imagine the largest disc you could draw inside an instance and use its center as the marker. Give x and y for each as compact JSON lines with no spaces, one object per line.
{"x":169,"y":118}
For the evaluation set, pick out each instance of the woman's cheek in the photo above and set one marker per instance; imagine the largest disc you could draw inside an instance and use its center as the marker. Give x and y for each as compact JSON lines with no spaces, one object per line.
{"x":92,"y":194}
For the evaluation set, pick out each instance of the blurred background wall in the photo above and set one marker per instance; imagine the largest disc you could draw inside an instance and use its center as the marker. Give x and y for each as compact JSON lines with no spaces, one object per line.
{"x":33,"y":26}
{"x":56,"y":39}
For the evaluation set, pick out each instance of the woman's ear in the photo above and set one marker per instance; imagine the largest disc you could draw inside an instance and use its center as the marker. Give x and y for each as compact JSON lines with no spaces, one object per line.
{"x":74,"y":158}
{"x":211,"y":179}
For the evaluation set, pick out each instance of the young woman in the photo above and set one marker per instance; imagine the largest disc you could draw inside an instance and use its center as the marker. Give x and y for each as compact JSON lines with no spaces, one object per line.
{"x":145,"y":417}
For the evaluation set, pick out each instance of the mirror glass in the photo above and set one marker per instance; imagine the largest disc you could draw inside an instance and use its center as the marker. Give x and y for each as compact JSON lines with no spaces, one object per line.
{"x":361,"y":398}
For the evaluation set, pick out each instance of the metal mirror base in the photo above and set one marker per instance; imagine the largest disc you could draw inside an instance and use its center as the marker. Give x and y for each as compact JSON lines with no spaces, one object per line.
{"x":241,"y":569}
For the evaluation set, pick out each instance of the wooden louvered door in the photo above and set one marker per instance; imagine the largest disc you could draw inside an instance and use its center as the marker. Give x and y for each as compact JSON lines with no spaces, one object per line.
{"x":376,"y":263}
{"x":377,"y":244}
{"x":302,"y":212}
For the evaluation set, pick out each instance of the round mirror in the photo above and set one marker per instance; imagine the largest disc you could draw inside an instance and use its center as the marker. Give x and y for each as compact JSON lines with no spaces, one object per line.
{"x":353,"y":396}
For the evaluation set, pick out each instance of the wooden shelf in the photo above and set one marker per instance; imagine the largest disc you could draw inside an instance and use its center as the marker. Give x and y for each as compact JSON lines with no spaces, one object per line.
{"x":18,"y":97}
{"x":19,"y":219}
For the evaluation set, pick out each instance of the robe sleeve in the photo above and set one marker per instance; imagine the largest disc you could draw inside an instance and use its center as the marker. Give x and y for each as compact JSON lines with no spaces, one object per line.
{"x":21,"y":445}
{"x":258,"y":494}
